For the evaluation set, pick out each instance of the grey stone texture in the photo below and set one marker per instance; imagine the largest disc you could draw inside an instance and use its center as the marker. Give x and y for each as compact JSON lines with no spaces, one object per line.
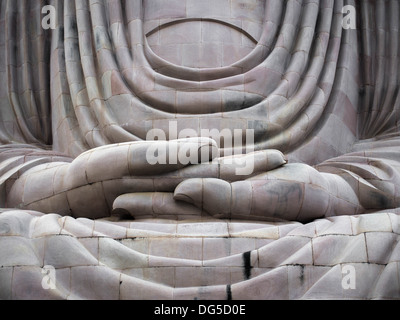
{"x":84,"y":189}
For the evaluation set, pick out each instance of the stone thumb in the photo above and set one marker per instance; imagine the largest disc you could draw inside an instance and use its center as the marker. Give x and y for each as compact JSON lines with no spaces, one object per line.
{"x":211,"y":195}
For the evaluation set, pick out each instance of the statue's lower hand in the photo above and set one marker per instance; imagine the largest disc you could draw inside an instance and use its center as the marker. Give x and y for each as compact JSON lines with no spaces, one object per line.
{"x":88,"y":186}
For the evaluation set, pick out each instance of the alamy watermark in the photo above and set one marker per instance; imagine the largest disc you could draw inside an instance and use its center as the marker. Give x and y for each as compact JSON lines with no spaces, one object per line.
{"x":349,"y":17}
{"x":349,"y":278}
{"x":187,"y":152}
{"x":49,"y":278}
{"x":49,"y":21}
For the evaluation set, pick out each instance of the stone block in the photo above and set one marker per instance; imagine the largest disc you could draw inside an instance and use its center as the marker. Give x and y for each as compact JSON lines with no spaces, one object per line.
{"x":201,"y":276}
{"x":203,"y":229}
{"x":155,"y":10}
{"x":334,"y":249}
{"x":17,"y":251}
{"x":381,"y":247}
{"x":388,"y":285}
{"x":275,"y":254}
{"x":117,"y":256}
{"x":202,"y":293}
{"x":328,"y":286}
{"x":180,"y":248}
{"x":76,"y":228}
{"x":372,"y":222}
{"x":65,"y":251}
{"x":6,"y":283}
{"x":15,"y":223}
{"x":200,"y":9}
{"x":27,"y":285}
{"x":94,"y":283}
{"x":276,"y":279}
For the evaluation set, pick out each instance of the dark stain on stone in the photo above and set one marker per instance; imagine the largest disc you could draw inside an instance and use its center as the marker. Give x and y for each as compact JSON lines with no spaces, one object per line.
{"x":122,"y":214}
{"x":229,"y":292}
{"x":97,"y":40}
{"x":61,"y":34}
{"x":302,"y":274}
{"x":247,"y":265}
{"x":245,"y":102}
{"x":72,"y":26}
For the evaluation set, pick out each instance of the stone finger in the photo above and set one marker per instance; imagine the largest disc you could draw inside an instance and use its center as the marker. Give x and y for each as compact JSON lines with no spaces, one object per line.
{"x":240,"y":167}
{"x":152,"y":205}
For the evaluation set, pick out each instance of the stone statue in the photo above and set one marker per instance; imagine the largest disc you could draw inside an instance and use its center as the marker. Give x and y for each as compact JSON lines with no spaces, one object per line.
{"x":91,"y":104}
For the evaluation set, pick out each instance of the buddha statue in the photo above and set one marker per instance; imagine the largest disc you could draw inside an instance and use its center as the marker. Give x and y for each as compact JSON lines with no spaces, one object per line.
{"x":91,"y":107}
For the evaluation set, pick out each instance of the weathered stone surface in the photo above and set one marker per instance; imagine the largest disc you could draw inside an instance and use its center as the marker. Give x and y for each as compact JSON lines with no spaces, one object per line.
{"x":293,"y":265}
{"x":256,"y":143}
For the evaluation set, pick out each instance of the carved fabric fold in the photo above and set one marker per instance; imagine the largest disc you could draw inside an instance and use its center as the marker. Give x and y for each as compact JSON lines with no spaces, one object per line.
{"x":103,"y":83}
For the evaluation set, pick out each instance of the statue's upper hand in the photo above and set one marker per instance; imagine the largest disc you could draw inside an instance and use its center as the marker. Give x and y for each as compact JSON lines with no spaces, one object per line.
{"x":86,"y":186}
